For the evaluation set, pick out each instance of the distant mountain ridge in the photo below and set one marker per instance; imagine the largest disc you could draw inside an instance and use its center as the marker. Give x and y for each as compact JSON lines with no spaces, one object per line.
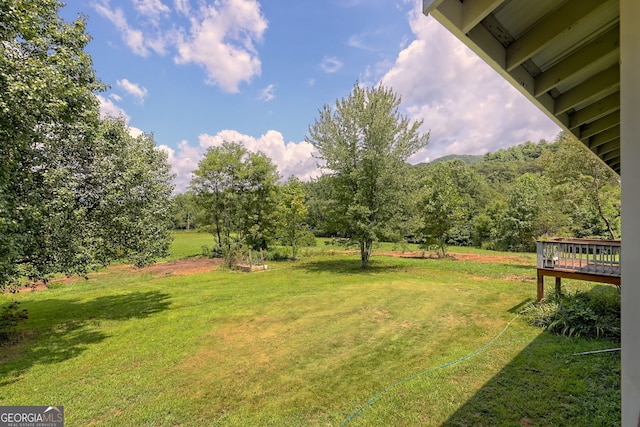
{"x":467,"y":158}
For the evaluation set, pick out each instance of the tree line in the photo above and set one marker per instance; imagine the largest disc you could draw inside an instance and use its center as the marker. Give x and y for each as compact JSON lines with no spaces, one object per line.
{"x":369,"y":193}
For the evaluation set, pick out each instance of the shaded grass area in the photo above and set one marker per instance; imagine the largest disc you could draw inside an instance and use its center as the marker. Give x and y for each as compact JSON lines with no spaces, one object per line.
{"x":304,"y":343}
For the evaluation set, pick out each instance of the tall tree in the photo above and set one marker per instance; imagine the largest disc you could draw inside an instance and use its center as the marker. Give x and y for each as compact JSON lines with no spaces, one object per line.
{"x":519,"y":226}
{"x":48,"y":114}
{"x":364,"y":142}
{"x":237,"y":191}
{"x":292,"y":213}
{"x":130,"y":208}
{"x":444,"y":210}
{"x":185,"y":212}
{"x":59,"y":165}
{"x":585,"y":188}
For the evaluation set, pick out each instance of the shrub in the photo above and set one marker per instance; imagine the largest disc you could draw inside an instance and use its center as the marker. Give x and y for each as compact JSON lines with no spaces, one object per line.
{"x":586,"y":314}
{"x":307,"y":239}
{"x":10,"y":317}
{"x":277,"y":253}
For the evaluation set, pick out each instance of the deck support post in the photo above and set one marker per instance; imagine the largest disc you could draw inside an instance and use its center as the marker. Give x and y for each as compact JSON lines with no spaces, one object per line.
{"x":558,"y":286}
{"x":540,"y":286}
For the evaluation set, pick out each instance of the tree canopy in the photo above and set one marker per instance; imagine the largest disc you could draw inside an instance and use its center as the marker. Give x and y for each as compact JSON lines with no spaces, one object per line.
{"x":236,"y":190}
{"x":364,"y":143}
{"x":72,"y":187}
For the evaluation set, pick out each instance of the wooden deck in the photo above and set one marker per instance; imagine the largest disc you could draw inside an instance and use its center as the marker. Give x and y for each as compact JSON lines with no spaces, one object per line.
{"x":580,"y":259}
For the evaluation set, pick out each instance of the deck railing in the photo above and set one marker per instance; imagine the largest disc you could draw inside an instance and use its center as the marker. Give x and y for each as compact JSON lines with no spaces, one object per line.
{"x":580,"y":255}
{"x":582,"y":259}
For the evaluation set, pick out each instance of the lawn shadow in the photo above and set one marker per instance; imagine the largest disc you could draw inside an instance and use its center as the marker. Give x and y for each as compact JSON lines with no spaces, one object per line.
{"x":548,"y":383}
{"x":342,"y":266}
{"x":518,"y":307}
{"x":73,"y":326}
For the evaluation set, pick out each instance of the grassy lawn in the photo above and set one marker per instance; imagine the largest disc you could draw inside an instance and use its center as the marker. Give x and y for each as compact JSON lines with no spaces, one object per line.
{"x":315,"y":342}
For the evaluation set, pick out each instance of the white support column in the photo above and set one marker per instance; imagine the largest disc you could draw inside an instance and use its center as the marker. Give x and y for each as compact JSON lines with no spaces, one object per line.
{"x":630,"y":139}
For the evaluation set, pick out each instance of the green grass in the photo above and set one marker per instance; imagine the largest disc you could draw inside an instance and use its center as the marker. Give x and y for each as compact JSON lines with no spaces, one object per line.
{"x":305,"y":343}
{"x":188,"y":244}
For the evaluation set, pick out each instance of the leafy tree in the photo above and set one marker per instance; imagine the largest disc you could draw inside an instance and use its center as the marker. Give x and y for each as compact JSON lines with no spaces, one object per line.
{"x":127,"y":198}
{"x":185,"y":212}
{"x":443,"y":208}
{"x":237,"y":191}
{"x":364,"y":143}
{"x":292,"y":213}
{"x":47,"y":109}
{"x":71,"y":197}
{"x":319,"y":202}
{"x":519,"y":226}
{"x":584,"y":188}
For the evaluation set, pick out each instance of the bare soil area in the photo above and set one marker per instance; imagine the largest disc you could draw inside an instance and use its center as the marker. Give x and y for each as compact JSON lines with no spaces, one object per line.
{"x":171,"y":268}
{"x":203,"y":265}
{"x":484,"y":258}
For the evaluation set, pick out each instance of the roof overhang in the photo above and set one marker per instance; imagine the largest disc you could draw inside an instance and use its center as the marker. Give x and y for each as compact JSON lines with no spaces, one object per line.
{"x":564,"y":55}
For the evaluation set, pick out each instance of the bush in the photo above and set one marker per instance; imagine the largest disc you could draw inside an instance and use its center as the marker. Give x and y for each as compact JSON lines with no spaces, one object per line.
{"x":586,"y":314}
{"x":277,"y":253}
{"x":307,"y":239}
{"x":10,"y":317}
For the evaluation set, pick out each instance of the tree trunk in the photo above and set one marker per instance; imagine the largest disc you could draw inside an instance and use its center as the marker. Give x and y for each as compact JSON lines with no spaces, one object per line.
{"x":366,"y":246}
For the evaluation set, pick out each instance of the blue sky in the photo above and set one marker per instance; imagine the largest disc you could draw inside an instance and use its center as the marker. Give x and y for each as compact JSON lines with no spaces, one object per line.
{"x":198,"y":72}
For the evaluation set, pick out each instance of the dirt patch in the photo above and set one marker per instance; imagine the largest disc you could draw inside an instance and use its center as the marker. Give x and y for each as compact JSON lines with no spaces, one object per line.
{"x":175,"y":268}
{"x":171,"y":268}
{"x":484,"y":258}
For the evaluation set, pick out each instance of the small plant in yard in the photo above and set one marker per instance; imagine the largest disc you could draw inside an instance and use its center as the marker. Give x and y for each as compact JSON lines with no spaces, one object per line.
{"x":10,"y":317}
{"x":586,"y":314}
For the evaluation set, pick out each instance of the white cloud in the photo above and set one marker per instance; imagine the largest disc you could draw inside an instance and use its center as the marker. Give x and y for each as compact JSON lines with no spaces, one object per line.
{"x":153,"y":9}
{"x":469,"y":108}
{"x":184,"y":160}
{"x":135,"y":132}
{"x":291,"y":158}
{"x":134,"y":89}
{"x":268,"y":93}
{"x":109,"y":108}
{"x":330,"y":64}
{"x":182,"y":6}
{"x":221,"y":40}
{"x":115,"y":96}
{"x":220,"y":37}
{"x":133,"y":38}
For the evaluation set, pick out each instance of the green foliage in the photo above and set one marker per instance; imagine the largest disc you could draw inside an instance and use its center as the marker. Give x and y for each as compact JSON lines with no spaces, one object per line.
{"x":130,"y":197}
{"x":236,"y":191}
{"x":364,"y":142}
{"x":47,"y":114}
{"x":10,"y":317}
{"x":519,"y":226}
{"x":587,"y":191}
{"x":185,"y":212}
{"x":442,"y":207}
{"x":586,"y":314}
{"x":466,"y":158}
{"x":277,"y":253}
{"x":292,"y":214}
{"x":75,"y":192}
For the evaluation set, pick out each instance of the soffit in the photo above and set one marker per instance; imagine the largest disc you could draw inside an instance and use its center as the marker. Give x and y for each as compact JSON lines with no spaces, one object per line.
{"x":561,"y":54}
